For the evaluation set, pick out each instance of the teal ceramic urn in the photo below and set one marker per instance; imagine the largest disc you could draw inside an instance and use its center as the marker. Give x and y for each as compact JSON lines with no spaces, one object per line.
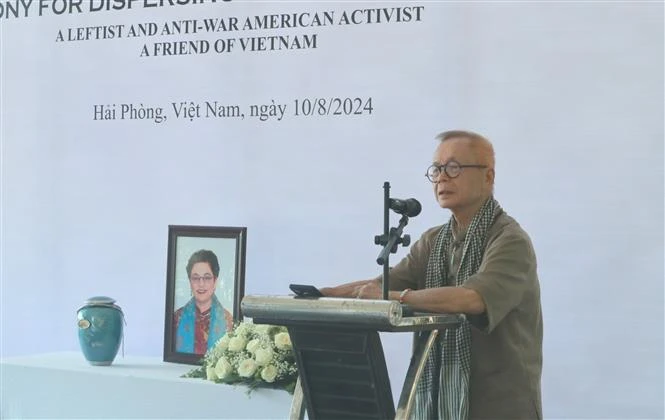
{"x":100,"y":329}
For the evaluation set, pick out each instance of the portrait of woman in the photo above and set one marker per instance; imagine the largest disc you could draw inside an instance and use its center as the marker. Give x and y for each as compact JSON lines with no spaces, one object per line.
{"x":205,"y":283}
{"x":198,"y":324}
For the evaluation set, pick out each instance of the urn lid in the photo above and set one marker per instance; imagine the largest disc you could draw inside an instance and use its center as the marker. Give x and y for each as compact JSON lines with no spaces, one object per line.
{"x":97,"y":300}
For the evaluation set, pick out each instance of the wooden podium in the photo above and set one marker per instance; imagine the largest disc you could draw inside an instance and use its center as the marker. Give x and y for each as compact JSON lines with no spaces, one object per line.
{"x":342,"y":369}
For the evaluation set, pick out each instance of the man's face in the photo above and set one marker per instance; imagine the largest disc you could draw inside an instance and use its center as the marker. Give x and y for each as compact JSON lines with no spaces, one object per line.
{"x":202,"y":282}
{"x":464,"y":194}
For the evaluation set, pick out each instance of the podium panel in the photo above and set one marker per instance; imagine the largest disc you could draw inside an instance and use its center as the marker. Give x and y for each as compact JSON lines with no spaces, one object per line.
{"x":343,"y":373}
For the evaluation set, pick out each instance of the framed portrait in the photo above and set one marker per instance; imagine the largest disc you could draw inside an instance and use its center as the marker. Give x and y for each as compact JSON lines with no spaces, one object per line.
{"x":205,"y":283}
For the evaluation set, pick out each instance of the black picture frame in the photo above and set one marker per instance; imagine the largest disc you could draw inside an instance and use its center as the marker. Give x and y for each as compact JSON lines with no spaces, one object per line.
{"x":228,"y":244}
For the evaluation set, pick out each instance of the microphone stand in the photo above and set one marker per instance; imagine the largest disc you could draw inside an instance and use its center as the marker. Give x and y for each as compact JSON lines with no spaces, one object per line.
{"x":390,"y":239}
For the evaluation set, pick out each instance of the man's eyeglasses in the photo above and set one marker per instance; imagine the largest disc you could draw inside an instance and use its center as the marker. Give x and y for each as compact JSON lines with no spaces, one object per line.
{"x":452,"y":169}
{"x":205,"y":279}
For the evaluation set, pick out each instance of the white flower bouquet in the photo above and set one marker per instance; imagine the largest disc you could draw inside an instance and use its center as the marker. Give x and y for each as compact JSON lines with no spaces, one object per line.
{"x":253,"y":355}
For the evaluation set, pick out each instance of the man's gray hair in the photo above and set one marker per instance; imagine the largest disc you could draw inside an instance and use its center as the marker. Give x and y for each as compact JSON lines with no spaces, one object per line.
{"x":483,"y":147}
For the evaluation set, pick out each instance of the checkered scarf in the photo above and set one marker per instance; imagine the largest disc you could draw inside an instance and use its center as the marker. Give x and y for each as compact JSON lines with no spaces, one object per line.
{"x":452,"y":349}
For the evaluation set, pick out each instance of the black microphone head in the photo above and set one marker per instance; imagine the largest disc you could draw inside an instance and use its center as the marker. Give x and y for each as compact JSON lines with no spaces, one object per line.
{"x":413,"y":207}
{"x":409,"y":207}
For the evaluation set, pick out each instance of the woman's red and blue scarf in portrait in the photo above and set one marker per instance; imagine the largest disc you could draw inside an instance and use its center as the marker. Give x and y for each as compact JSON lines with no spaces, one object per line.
{"x":197,"y":331}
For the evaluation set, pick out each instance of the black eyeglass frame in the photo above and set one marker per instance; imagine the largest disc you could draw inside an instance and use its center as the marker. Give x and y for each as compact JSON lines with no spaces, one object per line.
{"x":444,"y":169}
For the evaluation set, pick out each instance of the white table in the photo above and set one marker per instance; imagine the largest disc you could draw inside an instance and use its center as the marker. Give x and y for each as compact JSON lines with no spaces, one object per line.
{"x":64,"y":385}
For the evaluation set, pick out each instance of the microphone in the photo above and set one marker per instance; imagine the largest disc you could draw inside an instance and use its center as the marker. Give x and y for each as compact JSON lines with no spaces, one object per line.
{"x":409,"y":207}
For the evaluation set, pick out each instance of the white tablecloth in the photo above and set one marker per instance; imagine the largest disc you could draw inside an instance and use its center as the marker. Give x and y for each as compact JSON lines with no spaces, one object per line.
{"x":64,"y":385}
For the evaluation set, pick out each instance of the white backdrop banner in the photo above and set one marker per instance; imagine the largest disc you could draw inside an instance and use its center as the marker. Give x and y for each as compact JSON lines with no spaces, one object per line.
{"x":121,"y":117}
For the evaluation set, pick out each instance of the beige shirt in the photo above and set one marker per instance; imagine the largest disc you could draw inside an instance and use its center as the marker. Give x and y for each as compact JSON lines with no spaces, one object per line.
{"x":506,"y":346}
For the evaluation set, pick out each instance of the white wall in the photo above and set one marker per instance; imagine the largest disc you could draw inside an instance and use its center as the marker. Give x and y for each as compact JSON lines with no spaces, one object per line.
{"x":570,"y":93}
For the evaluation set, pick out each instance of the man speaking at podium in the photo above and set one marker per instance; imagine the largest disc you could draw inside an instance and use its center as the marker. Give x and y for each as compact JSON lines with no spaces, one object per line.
{"x":482,"y":264}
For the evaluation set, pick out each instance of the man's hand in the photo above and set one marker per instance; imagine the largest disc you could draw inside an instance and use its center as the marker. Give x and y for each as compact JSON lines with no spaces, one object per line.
{"x":369,"y":290}
{"x":357,"y":289}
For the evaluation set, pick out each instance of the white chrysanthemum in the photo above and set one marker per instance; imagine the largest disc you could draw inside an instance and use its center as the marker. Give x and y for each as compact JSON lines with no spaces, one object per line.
{"x":263,"y":356}
{"x":283,"y":341}
{"x":244,"y":329}
{"x":269,"y":373}
{"x":253,"y":345}
{"x":262,"y":329}
{"x":237,"y":344}
{"x":223,"y":343}
{"x":210,"y":373}
{"x":223,"y":368}
{"x":247,"y":368}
